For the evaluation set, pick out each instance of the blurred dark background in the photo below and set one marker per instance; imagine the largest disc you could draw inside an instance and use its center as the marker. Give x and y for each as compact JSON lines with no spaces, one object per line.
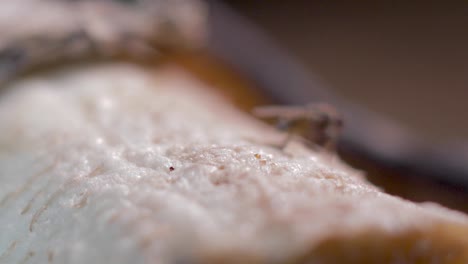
{"x":405,"y":59}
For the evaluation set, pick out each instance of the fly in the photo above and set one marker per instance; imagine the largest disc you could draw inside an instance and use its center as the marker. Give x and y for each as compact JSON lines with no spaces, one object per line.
{"x":320,"y":124}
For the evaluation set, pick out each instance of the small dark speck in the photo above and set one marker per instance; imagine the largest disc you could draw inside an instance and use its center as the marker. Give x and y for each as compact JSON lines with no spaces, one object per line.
{"x":171,"y":168}
{"x":50,"y":256}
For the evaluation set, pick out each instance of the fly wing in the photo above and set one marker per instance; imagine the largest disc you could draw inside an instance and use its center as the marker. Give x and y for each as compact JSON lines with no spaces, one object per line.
{"x":280,"y":112}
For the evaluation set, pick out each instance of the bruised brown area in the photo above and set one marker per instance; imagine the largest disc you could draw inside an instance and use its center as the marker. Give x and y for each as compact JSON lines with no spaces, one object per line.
{"x":445,"y":243}
{"x":442,"y":244}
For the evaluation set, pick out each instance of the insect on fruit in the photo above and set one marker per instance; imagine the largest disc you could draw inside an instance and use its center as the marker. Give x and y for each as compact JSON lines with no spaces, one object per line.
{"x":319,"y":124}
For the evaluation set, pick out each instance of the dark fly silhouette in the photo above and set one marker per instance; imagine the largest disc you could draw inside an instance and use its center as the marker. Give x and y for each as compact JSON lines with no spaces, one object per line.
{"x":318,"y":124}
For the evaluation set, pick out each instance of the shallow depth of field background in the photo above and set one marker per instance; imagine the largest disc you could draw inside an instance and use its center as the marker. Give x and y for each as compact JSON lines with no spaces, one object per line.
{"x":405,"y":59}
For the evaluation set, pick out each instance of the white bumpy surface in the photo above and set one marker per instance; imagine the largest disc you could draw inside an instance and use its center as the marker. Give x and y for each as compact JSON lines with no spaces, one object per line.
{"x":85,"y":176}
